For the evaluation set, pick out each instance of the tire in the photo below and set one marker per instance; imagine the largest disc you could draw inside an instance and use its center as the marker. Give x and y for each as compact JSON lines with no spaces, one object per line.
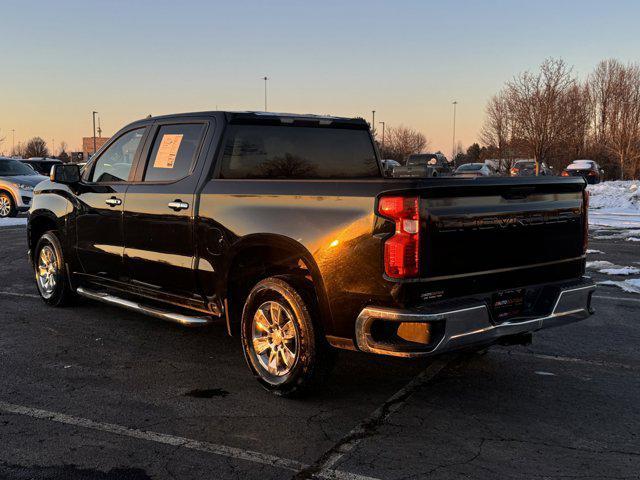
{"x":290,"y":357}
{"x":7,"y":206}
{"x":50,"y":271}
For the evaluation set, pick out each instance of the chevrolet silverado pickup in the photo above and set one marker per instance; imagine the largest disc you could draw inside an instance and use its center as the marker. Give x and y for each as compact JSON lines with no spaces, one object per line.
{"x":285,"y":228}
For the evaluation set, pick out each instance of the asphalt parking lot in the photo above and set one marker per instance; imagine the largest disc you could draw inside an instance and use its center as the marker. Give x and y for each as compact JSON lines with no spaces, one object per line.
{"x":94,"y":392}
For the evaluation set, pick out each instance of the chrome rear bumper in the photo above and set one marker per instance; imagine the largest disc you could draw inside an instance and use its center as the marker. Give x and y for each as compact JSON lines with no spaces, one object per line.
{"x":471,"y":324}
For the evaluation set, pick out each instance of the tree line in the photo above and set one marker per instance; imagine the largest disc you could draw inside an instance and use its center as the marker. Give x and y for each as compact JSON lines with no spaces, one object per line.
{"x":553,"y":117}
{"x":37,"y":147}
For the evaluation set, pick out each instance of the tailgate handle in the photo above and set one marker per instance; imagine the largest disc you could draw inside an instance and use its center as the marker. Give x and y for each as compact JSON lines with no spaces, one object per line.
{"x":518,"y":192}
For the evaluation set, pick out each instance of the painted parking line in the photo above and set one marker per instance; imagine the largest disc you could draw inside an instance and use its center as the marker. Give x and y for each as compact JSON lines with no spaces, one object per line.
{"x":19,"y":294}
{"x":617,"y":299}
{"x":182,"y":442}
{"x":561,"y":358}
{"x":323,"y":466}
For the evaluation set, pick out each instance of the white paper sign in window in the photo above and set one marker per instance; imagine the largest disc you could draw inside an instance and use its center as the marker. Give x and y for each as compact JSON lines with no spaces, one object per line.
{"x":169,"y":145}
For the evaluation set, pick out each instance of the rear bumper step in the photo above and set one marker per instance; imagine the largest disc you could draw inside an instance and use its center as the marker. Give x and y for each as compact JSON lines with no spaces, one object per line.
{"x":471,"y":325}
{"x":190,"y":321}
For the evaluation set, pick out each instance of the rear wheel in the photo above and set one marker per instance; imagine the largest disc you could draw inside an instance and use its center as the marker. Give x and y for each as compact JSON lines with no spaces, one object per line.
{"x":283,"y":346}
{"x":50,"y":271}
{"x":7,"y":206}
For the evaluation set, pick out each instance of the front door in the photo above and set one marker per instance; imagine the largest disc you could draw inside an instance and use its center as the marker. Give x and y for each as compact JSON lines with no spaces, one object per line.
{"x":101,"y":196}
{"x":159,"y":252}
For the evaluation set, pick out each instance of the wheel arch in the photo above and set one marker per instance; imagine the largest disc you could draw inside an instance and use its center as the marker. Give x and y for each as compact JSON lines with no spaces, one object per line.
{"x":258,"y":256}
{"x":40,"y":222}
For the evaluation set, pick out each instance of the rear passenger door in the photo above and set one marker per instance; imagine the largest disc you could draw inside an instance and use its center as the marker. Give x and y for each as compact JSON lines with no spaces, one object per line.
{"x":159,"y":211}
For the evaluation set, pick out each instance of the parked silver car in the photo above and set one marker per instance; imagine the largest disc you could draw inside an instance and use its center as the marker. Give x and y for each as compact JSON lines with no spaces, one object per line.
{"x":16,"y":186}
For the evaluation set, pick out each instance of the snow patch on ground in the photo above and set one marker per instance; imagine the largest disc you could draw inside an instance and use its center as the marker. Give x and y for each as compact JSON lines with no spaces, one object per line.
{"x":615,"y":204}
{"x":621,"y":195}
{"x":620,"y":271}
{"x":609,"y":268}
{"x":598,"y":264}
{"x":633,"y":239}
{"x":632,"y":285}
{"x":613,"y":234}
{"x":12,"y":222}
{"x":594,"y":252}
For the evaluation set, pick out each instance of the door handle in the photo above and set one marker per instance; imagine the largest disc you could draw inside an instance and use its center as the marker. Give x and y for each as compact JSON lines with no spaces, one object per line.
{"x":178,"y":205}
{"x":113,"y":201}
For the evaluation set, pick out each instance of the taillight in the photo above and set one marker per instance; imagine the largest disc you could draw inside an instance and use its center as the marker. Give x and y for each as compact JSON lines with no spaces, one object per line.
{"x":565,"y":173}
{"x":585,"y":221}
{"x":591,"y":173}
{"x":514,"y":171}
{"x":402,"y":251}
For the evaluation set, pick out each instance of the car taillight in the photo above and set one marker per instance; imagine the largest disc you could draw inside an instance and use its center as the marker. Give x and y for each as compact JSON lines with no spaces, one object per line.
{"x":585,"y":221}
{"x":565,"y":173}
{"x":514,"y":171}
{"x":402,"y":250}
{"x":591,"y":173}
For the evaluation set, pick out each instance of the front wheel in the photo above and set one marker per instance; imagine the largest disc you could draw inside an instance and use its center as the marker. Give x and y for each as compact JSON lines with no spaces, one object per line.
{"x":283,"y":346}
{"x":7,"y":206}
{"x":49,"y":265}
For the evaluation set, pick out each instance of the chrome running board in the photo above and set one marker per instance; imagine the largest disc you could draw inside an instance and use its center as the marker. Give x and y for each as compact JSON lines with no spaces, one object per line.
{"x":145,"y":309}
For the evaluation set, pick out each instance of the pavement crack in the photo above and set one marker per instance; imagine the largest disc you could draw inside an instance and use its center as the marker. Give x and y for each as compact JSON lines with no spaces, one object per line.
{"x":369,"y":426}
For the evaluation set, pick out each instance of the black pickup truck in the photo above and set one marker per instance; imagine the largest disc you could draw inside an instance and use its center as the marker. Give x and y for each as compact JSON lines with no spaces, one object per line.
{"x":284,"y":227}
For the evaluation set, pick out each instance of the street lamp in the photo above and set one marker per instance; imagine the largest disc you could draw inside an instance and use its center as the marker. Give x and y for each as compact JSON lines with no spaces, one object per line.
{"x":382,"y":134}
{"x":373,"y":124}
{"x":94,"y":133}
{"x":453,"y":148}
{"x":265,"y":78}
{"x":13,"y":140}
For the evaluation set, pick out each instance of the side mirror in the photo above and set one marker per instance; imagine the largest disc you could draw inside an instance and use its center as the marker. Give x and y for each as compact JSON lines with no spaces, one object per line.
{"x":66,"y":173}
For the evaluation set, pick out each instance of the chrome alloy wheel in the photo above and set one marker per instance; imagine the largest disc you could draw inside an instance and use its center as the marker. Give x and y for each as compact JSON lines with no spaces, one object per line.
{"x":5,"y":206}
{"x":274,"y":338}
{"x":47,"y":271}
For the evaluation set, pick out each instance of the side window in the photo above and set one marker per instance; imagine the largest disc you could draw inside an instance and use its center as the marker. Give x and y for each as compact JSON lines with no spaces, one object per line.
{"x":115,"y":162}
{"x":173,"y":153}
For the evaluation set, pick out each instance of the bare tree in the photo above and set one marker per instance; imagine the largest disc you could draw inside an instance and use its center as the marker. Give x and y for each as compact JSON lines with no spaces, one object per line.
{"x":618,"y":129}
{"x":400,"y":142}
{"x":63,"y":155}
{"x":497,"y":129}
{"x":36,"y":147}
{"x":538,"y":104}
{"x":18,"y":150}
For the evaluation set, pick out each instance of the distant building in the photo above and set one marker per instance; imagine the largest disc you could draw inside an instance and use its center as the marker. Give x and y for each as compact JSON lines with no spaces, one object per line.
{"x":87,"y":145}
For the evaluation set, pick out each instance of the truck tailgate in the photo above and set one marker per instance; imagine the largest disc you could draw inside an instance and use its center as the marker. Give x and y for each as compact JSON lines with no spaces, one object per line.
{"x":487,"y":225}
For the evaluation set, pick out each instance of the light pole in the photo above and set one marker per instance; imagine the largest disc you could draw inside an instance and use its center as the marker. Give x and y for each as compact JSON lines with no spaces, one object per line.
{"x":373,"y":124}
{"x":94,"y":132}
{"x":13,"y":140}
{"x":265,"y":78}
{"x":382,"y":135}
{"x":453,"y":148}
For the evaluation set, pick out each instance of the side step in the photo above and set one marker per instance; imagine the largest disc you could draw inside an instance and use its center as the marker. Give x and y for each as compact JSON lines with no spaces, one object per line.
{"x":147,"y":310}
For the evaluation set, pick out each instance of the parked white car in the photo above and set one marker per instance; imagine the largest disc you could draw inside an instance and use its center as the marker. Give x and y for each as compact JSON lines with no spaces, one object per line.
{"x":16,"y":186}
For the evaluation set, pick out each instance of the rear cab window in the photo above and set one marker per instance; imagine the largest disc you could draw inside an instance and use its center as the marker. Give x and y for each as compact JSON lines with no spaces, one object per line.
{"x":297,"y":152}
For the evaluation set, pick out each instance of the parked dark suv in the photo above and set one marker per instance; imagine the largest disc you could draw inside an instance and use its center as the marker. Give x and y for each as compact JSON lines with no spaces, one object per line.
{"x":41,"y":165}
{"x":285,"y":227}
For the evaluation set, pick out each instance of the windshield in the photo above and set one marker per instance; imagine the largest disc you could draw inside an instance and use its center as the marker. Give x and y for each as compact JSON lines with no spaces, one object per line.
{"x":422,"y":160}
{"x":10,"y":167}
{"x":470,"y":167}
{"x":525,"y":165}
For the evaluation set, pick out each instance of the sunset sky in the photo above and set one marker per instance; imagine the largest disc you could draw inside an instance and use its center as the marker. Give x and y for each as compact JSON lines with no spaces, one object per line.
{"x":408,"y":60}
